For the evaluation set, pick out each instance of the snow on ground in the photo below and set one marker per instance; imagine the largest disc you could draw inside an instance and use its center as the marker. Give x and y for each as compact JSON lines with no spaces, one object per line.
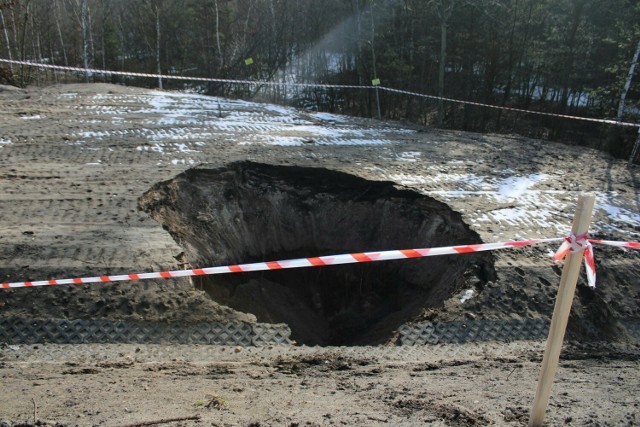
{"x":409,"y":156}
{"x":328,"y":117}
{"x":176,"y":126}
{"x":616,"y":213}
{"x":190,"y":116}
{"x":516,"y":187}
{"x":528,"y":206}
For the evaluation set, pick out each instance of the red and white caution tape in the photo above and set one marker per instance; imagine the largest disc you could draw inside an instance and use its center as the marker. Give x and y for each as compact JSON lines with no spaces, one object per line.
{"x":289,"y":263}
{"x":627,"y":245}
{"x":575,"y":243}
{"x":571,"y":243}
{"x":306,"y":85}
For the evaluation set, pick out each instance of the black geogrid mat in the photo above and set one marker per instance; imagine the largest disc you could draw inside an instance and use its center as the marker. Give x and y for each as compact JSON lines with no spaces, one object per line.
{"x":83,"y":331}
{"x":459,"y":332}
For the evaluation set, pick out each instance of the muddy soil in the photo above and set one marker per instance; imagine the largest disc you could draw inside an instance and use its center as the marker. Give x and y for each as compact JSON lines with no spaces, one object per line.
{"x":76,"y":159}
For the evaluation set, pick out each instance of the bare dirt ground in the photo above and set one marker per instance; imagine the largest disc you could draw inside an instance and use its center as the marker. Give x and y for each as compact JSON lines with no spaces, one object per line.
{"x":470,"y":385}
{"x":75,"y":160}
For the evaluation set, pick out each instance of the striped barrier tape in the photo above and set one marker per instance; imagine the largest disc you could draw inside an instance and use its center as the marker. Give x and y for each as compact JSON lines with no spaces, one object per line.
{"x":310,"y":85}
{"x":568,"y":244}
{"x":289,"y":263}
{"x":575,"y":243}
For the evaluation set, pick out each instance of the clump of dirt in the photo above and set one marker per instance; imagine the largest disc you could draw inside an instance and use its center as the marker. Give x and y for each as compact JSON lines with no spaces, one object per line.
{"x":251,"y":212}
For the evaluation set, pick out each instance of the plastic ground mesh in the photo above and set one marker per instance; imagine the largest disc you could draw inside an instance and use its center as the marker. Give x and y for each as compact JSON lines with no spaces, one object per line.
{"x":459,"y":332}
{"x":84,"y":331}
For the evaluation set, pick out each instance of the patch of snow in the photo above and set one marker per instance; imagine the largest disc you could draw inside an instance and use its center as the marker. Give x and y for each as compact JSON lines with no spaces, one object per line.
{"x":181,"y":147}
{"x":330,"y":117}
{"x":356,"y":141}
{"x":292,"y":141}
{"x":525,"y":215}
{"x":515,"y":187}
{"x":285,"y":111}
{"x":163,"y":147}
{"x":34,"y":117}
{"x":281,"y":141}
{"x":4,"y":141}
{"x":529,"y":208}
{"x":409,"y":156}
{"x":468,"y":294}
{"x":615,"y":213}
{"x":94,"y":134}
{"x":176,"y":162}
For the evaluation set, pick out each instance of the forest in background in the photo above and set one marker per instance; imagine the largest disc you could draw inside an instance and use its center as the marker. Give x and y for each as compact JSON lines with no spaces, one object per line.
{"x":557,"y":56}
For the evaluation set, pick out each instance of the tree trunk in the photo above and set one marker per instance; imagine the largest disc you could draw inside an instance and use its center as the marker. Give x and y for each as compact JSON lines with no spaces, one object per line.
{"x":627,"y":83}
{"x":37,"y":46}
{"x":57,"y":18}
{"x":443,"y":57}
{"x":84,"y":11}
{"x":569,"y":62}
{"x":158,"y":47}
{"x":16,"y":45}
{"x":373,"y":60}
{"x":92,"y":48}
{"x":220,"y":56}
{"x":443,"y":10}
{"x":6,"y":37}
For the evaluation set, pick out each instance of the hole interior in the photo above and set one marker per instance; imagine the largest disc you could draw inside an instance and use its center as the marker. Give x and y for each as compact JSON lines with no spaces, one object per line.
{"x":250,"y":212}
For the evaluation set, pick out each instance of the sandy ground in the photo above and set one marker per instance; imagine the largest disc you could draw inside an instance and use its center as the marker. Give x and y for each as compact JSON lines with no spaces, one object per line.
{"x":470,"y":385}
{"x":75,"y":159}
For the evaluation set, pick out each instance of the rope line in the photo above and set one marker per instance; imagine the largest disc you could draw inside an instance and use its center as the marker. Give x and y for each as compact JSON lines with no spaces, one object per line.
{"x":312,"y":85}
{"x":517,"y":110}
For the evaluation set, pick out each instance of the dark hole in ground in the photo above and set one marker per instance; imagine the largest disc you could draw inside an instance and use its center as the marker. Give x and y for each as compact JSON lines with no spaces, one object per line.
{"x":250,"y":212}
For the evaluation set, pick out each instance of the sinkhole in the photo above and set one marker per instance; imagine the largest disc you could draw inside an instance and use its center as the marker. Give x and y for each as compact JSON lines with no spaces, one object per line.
{"x":251,"y":212}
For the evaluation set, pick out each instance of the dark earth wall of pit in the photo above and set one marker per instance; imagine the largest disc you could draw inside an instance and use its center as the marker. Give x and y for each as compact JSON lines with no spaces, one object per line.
{"x":249,"y":212}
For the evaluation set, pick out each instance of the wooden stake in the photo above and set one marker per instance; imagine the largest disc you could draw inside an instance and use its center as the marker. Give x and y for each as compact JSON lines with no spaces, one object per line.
{"x":561,"y":311}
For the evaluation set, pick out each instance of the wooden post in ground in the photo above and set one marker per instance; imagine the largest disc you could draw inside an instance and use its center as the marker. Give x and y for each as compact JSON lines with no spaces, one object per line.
{"x":561,"y":311}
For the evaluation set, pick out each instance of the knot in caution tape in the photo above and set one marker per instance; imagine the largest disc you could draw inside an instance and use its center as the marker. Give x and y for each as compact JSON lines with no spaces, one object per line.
{"x":573,"y":244}
{"x":577,"y":243}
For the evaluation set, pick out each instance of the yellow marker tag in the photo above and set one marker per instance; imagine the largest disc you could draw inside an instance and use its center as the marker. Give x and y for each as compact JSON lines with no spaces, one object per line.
{"x":248,"y":61}
{"x":375,"y":82}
